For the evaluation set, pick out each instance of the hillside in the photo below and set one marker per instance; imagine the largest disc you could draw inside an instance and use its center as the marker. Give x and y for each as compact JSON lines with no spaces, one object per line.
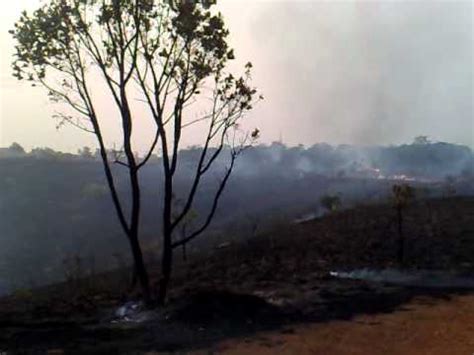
{"x":268,"y":282}
{"x":65,"y":199}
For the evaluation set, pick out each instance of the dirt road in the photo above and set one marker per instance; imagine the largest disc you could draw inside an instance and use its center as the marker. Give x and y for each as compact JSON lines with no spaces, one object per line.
{"x":424,"y":326}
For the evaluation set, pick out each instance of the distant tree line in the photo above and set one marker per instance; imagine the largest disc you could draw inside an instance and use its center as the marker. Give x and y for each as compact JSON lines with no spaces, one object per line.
{"x":422,"y":159}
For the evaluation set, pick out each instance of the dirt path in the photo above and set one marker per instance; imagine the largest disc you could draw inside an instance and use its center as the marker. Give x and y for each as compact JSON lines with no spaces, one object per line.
{"x":424,"y":326}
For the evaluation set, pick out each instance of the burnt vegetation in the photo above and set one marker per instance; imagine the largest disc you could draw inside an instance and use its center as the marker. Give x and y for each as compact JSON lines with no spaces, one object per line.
{"x":269,"y":188}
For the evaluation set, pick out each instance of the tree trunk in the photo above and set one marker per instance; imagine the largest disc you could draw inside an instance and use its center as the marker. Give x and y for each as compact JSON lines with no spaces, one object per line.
{"x":401,"y":239}
{"x":127,"y":126}
{"x":167,"y":256}
{"x":140,"y":269}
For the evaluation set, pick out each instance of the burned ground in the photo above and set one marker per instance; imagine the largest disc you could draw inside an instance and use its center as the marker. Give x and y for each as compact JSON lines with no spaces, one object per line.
{"x":269,"y":282}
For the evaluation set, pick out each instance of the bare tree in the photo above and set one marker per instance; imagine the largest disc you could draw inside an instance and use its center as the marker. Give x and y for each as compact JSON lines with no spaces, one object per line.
{"x":402,"y":196}
{"x":164,"y":61}
{"x":330,"y":202}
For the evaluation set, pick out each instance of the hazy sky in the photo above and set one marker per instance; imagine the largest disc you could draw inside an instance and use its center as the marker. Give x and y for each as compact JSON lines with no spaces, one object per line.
{"x":364,"y":72}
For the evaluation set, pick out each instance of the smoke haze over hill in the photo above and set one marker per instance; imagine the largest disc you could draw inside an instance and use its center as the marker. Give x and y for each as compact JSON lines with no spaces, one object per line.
{"x":69,"y":210}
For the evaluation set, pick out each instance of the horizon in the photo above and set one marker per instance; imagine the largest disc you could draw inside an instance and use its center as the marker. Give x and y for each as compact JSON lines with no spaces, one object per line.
{"x":258,"y":145}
